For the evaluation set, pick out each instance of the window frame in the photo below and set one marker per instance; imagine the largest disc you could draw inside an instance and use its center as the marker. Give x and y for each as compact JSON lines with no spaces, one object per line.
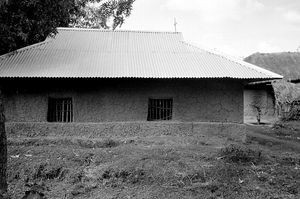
{"x":60,"y":110}
{"x":160,"y":109}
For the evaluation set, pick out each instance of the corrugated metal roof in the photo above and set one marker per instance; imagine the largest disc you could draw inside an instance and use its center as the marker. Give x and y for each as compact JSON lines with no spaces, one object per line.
{"x":90,"y":53}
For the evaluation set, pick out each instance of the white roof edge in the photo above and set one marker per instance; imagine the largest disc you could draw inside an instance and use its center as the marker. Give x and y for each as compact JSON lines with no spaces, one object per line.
{"x":236,"y":60}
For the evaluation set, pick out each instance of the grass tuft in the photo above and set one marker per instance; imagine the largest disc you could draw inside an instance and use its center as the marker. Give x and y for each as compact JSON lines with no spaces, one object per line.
{"x":238,"y":153}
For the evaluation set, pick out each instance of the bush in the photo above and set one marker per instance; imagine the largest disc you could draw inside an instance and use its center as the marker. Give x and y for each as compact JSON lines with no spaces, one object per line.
{"x":292,"y":114}
{"x":240,"y":154}
{"x":106,"y":143}
{"x":113,"y":177}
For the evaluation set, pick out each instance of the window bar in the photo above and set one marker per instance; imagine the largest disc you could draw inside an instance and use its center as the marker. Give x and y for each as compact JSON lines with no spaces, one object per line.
{"x":163,"y":110}
{"x":171,"y":109}
{"x":71,"y":111}
{"x":157,"y":107}
{"x":152,"y":110}
{"x":50,"y":113}
{"x":56,"y":112}
{"x":157,"y":110}
{"x":67,"y":111}
{"x":167,"y":110}
{"x":149,"y":110}
{"x":62,"y":111}
{"x":69,"y":115}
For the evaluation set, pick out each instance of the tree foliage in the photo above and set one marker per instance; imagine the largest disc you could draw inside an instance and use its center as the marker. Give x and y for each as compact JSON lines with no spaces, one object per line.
{"x":3,"y":150}
{"x":286,"y":94}
{"x":25,"y":22}
{"x":99,"y":15}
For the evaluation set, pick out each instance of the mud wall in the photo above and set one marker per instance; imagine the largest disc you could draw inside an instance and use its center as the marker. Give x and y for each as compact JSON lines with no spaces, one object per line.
{"x":262,"y":98}
{"x":126,"y":100}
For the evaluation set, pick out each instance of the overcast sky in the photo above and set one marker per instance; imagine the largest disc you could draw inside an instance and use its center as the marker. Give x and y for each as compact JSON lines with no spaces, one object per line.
{"x":235,"y":27}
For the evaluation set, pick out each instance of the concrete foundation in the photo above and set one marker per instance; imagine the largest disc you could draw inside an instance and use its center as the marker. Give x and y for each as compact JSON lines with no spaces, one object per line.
{"x":126,"y":129}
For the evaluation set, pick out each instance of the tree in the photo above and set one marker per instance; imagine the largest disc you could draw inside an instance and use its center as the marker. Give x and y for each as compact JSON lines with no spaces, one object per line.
{"x":3,"y":150}
{"x":259,"y":105}
{"x":287,"y":95}
{"x":98,"y":16}
{"x":25,"y":22}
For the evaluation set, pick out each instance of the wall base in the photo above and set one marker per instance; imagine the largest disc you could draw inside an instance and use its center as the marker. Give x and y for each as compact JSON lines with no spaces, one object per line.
{"x":126,"y":129}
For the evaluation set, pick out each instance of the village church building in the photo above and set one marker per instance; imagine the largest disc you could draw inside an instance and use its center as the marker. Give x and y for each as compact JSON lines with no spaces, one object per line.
{"x":122,"y":82}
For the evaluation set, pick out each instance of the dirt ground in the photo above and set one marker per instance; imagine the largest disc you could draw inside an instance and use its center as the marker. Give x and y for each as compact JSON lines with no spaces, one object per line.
{"x":267,"y":166}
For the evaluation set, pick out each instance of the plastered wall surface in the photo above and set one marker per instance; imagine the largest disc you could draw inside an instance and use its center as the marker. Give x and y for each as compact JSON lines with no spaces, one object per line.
{"x":262,"y":98}
{"x":126,"y":100}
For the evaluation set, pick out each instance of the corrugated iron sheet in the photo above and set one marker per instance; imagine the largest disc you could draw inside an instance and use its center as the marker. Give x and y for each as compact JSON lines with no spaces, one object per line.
{"x":85,"y":53}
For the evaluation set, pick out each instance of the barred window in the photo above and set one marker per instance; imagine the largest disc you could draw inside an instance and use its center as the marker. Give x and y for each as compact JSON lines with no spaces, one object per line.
{"x":60,"y":110}
{"x":160,"y":109}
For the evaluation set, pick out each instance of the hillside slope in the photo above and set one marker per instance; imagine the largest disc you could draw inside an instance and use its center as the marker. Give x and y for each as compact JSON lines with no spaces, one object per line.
{"x":286,"y":64}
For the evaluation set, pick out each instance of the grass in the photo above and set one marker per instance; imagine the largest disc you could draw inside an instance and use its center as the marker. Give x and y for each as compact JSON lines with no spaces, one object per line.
{"x":155,"y":167}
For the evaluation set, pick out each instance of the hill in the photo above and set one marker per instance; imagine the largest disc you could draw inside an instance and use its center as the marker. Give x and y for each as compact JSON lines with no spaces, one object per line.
{"x":286,"y":64}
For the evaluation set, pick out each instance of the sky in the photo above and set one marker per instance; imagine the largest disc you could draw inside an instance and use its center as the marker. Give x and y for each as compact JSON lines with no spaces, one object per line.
{"x":234,"y":27}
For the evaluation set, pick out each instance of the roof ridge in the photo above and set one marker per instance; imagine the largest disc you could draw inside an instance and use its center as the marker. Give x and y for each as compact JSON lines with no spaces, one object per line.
{"x":105,"y":30}
{"x":235,"y":60}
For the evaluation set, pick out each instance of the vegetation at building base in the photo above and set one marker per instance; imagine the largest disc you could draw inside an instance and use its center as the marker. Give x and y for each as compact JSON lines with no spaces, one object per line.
{"x":154,"y":167}
{"x":258,"y":105}
{"x":287,"y":97}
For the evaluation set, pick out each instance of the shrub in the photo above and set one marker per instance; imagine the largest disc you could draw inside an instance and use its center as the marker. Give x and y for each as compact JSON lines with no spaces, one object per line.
{"x":240,"y":154}
{"x":112,"y":177}
{"x":226,"y":180}
{"x":109,"y":143}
